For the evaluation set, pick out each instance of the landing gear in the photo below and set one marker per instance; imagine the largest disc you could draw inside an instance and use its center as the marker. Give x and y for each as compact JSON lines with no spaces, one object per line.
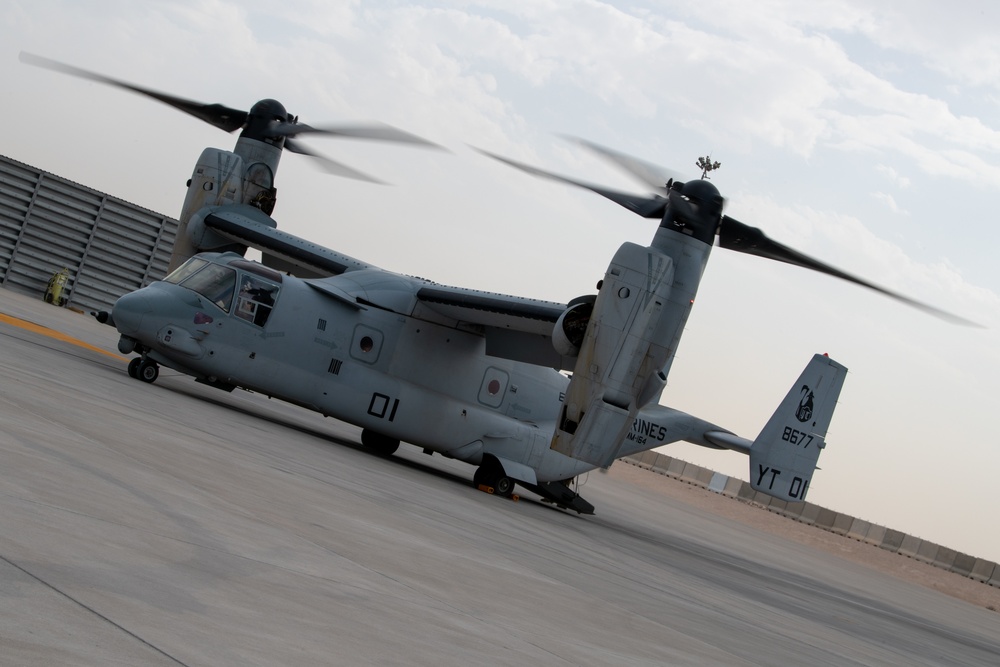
{"x":503,"y":486}
{"x":491,"y":474}
{"x":146,"y":370}
{"x":380,"y":444}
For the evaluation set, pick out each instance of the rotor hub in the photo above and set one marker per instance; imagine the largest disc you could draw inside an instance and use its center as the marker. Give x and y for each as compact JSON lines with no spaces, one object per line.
{"x":694,"y":208}
{"x":262,"y":117}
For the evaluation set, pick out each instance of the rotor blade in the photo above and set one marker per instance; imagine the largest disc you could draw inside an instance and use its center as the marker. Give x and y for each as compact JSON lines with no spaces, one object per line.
{"x":218,"y":115}
{"x":734,"y":235}
{"x":655,"y":176}
{"x":376,"y":131}
{"x":647,"y":207}
{"x":328,"y":165}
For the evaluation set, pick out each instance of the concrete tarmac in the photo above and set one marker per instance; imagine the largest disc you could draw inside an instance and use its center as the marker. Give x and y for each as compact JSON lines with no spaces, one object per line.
{"x":173,"y":523}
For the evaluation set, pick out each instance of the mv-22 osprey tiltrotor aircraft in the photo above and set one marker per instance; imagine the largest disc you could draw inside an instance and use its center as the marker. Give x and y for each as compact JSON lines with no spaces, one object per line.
{"x":471,"y":375}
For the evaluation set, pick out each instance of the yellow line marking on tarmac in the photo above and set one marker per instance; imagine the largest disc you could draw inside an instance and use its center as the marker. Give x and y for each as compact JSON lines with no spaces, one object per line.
{"x":52,"y":333}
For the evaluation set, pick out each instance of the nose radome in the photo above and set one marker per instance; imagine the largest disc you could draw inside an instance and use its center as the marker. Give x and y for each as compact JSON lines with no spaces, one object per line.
{"x":128,"y":311}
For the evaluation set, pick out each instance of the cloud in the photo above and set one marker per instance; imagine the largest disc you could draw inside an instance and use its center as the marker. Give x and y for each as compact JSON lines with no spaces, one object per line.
{"x":889,"y":201}
{"x":961,"y":45}
{"x":894,"y":176}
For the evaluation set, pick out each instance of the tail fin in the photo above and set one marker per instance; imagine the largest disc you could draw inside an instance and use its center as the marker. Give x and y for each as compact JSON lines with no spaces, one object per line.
{"x":784,"y":455}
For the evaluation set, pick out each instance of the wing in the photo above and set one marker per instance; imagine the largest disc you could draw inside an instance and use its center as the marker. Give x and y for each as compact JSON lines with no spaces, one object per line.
{"x":252,"y":227}
{"x":514,"y":327}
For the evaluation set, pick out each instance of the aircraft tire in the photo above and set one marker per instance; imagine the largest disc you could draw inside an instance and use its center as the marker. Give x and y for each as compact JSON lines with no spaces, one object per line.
{"x":491,"y":474}
{"x":133,"y":368}
{"x":503,"y":486}
{"x":380,"y":444}
{"x":148,"y":371}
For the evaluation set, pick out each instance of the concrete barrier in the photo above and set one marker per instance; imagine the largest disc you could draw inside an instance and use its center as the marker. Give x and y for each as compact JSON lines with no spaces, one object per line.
{"x":676,"y":467}
{"x":777,"y":505}
{"x":704,"y":476}
{"x":909,"y":546}
{"x":927,"y":552}
{"x":892,"y":540}
{"x":701,"y":475}
{"x":689,"y":472}
{"x":963,"y":564}
{"x":794,"y":510}
{"x":842,"y":523}
{"x":995,"y":579}
{"x":825,"y":518}
{"x":945,"y":557}
{"x":875,"y":535}
{"x":810,"y":512}
{"x":648,"y":458}
{"x":718,"y":483}
{"x":859,"y":529}
{"x":694,"y":474}
{"x":746,"y":492}
{"x":983,"y":570}
{"x":733,"y":486}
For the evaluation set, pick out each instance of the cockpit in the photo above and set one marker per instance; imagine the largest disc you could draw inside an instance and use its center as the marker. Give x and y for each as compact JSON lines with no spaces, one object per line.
{"x":246,"y":289}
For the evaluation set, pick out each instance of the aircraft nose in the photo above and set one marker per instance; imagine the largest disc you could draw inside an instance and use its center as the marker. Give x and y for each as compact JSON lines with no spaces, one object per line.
{"x":128,"y":311}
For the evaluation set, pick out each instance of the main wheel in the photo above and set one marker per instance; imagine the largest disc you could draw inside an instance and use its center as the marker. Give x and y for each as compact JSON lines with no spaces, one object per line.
{"x":382,"y":445}
{"x":503,"y":486}
{"x":492,"y":474}
{"x":133,"y":368}
{"x":148,"y":371}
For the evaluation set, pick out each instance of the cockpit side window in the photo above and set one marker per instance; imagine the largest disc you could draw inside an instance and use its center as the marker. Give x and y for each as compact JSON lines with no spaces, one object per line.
{"x":185,"y":270}
{"x":215,"y":283}
{"x":256,"y":299}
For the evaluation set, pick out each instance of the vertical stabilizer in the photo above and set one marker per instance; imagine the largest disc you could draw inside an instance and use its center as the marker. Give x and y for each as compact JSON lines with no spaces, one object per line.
{"x":784,"y":455}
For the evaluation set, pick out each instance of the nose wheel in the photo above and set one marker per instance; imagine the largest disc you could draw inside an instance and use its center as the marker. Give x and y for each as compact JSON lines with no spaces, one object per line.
{"x":146,"y":370}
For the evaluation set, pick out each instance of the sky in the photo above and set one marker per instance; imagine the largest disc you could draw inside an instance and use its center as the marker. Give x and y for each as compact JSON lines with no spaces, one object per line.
{"x":866,"y":134}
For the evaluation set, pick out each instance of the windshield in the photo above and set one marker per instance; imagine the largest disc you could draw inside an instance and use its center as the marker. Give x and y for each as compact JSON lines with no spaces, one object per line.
{"x":185,"y":270}
{"x":215,"y":283}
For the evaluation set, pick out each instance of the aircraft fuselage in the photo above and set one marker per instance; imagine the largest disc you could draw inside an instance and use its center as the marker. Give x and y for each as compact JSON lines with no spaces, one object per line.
{"x":429,"y":384}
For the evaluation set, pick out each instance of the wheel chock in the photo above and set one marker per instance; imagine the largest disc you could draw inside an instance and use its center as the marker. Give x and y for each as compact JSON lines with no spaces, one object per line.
{"x":489,"y":489}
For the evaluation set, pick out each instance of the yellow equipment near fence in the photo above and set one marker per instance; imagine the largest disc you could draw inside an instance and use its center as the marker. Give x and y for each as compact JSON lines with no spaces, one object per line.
{"x":54,"y":290}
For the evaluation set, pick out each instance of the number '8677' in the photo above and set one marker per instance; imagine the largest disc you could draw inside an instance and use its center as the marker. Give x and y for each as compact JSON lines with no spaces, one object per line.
{"x":796,"y":437}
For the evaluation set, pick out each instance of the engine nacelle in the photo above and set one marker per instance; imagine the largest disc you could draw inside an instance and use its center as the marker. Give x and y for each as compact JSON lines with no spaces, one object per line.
{"x":223,"y":178}
{"x":571,"y":327}
{"x":620,"y":358}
